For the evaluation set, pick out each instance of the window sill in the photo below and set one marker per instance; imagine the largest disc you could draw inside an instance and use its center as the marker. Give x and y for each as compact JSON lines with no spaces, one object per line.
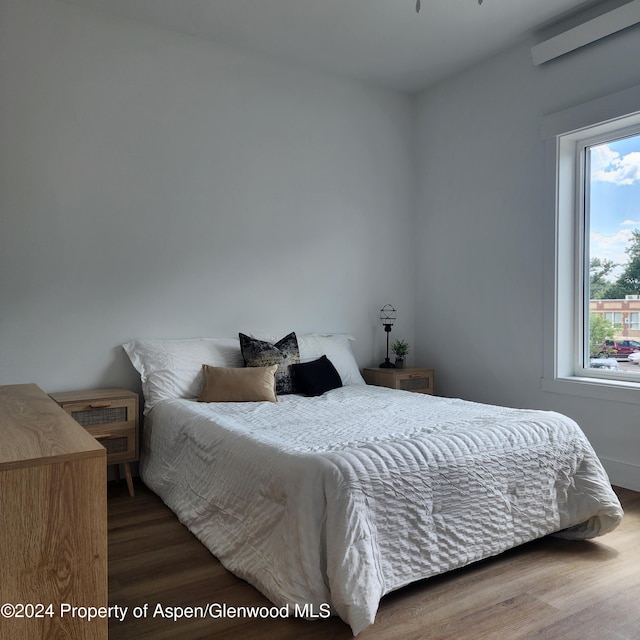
{"x":597,"y":388}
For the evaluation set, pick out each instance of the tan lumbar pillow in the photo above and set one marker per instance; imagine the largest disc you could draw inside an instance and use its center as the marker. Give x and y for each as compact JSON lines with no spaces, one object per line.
{"x":236,"y":384}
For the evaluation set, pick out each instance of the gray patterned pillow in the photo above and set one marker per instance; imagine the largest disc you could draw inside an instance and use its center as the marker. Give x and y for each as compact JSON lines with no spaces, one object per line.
{"x":259,"y":353}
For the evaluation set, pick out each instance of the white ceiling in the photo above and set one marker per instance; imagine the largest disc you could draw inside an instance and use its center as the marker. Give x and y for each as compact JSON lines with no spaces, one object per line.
{"x":380,"y":41}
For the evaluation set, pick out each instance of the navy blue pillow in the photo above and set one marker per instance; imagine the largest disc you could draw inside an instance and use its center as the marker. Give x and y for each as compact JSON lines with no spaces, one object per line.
{"x":317,"y":377}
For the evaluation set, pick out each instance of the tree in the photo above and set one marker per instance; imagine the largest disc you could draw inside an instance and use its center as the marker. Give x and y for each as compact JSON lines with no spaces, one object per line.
{"x":598,"y":272}
{"x":628,"y":283}
{"x":600,"y":330}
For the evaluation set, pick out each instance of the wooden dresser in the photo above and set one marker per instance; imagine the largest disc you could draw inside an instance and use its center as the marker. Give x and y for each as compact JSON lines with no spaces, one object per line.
{"x":53,"y":530}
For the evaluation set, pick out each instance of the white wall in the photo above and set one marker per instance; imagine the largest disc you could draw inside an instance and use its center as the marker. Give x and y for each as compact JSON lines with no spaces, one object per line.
{"x":153,"y":184}
{"x":481,"y":233}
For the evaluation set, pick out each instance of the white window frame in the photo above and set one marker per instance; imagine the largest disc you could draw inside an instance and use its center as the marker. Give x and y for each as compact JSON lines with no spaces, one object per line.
{"x":566,"y":134}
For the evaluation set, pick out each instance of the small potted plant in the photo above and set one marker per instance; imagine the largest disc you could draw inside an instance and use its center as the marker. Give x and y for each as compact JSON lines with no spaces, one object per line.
{"x":401,"y":349}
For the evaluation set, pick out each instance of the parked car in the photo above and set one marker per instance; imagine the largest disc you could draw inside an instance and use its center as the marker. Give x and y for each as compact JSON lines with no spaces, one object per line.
{"x":605,"y":363}
{"x":619,"y":349}
{"x":634,"y":358}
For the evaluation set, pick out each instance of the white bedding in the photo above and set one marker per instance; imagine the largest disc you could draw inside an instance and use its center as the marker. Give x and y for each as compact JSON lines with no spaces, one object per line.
{"x":343,"y":498}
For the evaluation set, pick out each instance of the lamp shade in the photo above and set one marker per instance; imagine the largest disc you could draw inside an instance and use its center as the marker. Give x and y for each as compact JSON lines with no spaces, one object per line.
{"x":387,"y":315}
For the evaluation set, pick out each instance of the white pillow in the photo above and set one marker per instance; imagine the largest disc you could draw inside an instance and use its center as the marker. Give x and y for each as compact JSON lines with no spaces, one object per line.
{"x":337,"y":347}
{"x":173,"y":368}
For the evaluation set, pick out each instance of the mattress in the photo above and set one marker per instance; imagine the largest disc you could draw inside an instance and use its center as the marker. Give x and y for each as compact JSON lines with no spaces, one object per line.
{"x":340,"y":499}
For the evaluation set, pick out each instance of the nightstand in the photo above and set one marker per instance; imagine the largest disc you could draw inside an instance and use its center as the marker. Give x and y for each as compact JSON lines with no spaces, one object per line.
{"x":408,"y":379}
{"x":111,"y":417}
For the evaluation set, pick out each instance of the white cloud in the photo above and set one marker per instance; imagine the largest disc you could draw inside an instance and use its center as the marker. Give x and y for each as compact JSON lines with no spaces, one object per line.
{"x":630,"y":223}
{"x":610,"y":166}
{"x":611,"y":247}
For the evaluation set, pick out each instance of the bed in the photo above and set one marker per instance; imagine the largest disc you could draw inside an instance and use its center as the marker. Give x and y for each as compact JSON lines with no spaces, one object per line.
{"x":337,"y":499}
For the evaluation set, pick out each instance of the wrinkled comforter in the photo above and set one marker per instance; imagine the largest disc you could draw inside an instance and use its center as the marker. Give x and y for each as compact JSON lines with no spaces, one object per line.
{"x":343,"y":498}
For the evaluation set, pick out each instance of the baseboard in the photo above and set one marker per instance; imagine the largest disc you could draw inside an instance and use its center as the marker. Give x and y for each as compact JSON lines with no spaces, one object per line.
{"x":622,"y":474}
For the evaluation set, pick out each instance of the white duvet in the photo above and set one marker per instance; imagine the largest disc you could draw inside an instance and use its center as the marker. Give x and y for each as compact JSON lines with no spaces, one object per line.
{"x":343,"y":498}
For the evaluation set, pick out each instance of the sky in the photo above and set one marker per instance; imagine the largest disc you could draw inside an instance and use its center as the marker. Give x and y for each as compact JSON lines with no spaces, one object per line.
{"x":614,"y":198}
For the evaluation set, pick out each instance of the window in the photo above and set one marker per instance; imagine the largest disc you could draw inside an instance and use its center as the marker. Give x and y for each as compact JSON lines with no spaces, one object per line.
{"x":592,"y":280}
{"x":614,"y":319}
{"x":608,"y":217}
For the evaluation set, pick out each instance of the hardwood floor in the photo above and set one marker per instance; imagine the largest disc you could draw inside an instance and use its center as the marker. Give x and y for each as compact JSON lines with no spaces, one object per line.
{"x":548,"y":589}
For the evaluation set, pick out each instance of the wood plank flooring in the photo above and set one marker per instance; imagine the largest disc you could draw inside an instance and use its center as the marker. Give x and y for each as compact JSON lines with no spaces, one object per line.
{"x":549,"y":589}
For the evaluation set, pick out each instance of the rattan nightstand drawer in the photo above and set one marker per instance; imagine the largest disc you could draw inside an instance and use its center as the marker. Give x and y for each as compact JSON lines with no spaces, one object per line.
{"x":118,"y":440}
{"x":111,"y":417}
{"x":112,"y":421}
{"x":410,"y":379}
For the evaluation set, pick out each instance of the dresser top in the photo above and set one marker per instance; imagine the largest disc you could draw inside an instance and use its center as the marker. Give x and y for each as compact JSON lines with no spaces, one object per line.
{"x":34,"y":430}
